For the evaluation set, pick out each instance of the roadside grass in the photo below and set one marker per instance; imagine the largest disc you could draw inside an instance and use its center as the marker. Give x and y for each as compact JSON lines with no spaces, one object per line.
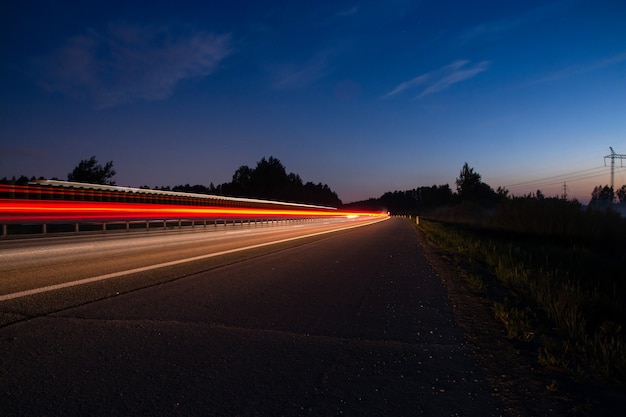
{"x":565,"y":295}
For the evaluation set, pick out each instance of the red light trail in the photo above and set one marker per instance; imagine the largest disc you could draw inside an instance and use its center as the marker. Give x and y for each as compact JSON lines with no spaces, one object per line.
{"x":64,"y":202}
{"x":15,"y":211}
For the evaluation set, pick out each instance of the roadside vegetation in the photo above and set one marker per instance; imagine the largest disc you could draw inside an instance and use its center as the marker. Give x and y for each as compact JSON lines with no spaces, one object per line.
{"x":567,"y":299}
{"x":553,"y":271}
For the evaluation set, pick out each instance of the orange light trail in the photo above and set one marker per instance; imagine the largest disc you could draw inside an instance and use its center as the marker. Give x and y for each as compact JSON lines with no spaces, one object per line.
{"x":16,"y":210}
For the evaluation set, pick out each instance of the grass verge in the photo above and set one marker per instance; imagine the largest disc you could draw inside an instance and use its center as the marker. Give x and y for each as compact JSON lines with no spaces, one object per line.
{"x":567,"y":300}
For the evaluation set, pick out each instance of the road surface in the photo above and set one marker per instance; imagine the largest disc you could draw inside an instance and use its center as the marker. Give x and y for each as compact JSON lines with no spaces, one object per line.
{"x":119,"y":262}
{"x":352,"y":323}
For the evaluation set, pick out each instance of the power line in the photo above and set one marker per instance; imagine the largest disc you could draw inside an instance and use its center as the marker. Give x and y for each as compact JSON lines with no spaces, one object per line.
{"x":613,"y":156}
{"x":542,"y":183}
{"x":562,"y":179}
{"x":556,"y":182}
{"x":555,"y":177}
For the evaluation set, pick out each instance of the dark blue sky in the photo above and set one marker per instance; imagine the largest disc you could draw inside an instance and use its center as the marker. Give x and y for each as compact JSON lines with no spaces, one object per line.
{"x":366,"y":96}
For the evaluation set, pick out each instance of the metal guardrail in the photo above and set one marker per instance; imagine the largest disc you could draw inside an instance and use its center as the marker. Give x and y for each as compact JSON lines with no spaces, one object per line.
{"x":45,"y":229}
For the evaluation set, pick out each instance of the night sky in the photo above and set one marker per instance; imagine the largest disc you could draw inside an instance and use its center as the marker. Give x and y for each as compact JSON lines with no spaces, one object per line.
{"x":365,"y":96}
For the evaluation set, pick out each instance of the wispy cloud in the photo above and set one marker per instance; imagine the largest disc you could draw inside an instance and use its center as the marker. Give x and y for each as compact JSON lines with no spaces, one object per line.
{"x":125,"y":63}
{"x":574,"y":70}
{"x":508,"y":24}
{"x":440,"y":79}
{"x":287,"y":76}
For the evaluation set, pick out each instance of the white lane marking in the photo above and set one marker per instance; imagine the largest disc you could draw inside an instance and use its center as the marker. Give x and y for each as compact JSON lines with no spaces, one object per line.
{"x":166,"y":264}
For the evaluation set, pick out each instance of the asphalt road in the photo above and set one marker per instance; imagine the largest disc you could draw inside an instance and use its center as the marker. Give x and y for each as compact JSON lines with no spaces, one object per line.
{"x":37,"y":262}
{"x":353,"y":323}
{"x":90,"y":267}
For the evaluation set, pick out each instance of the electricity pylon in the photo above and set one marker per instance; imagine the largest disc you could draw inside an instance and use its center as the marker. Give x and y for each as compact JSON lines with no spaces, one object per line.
{"x":613,"y":157}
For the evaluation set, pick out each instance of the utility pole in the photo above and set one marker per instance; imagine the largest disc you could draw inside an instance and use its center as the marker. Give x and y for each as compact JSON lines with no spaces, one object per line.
{"x":564,"y":190}
{"x":613,"y":156}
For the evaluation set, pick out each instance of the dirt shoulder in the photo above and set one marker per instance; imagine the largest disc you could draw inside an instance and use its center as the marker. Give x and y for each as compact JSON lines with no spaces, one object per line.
{"x":525,"y":387}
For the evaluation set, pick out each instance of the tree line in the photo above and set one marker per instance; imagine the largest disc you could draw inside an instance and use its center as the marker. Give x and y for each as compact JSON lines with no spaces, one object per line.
{"x":471,"y":191}
{"x":270,"y":180}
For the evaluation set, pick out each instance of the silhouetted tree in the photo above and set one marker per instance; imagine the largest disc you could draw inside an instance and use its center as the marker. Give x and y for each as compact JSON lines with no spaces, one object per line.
{"x":319,"y":194}
{"x":400,"y":202}
{"x":468,"y":182}
{"x":415,"y":201}
{"x":602,"y":197}
{"x":621,"y":194}
{"x":196,"y":189}
{"x":471,"y":188}
{"x":89,"y":171}
{"x":269,"y":180}
{"x":540,"y":195}
{"x":371,"y":204}
{"x":434,"y":196}
{"x":241,"y":183}
{"x":22,"y":180}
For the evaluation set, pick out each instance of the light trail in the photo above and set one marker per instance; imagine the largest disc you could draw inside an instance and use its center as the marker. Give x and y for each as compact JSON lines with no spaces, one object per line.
{"x":60,"y":201}
{"x":15,"y":211}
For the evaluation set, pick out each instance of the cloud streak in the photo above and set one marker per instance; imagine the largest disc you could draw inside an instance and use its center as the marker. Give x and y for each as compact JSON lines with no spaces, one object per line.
{"x":287,"y":77}
{"x":290,"y":76}
{"x":127,"y":63}
{"x":575,"y":70}
{"x":440,"y":79}
{"x":502,"y":26}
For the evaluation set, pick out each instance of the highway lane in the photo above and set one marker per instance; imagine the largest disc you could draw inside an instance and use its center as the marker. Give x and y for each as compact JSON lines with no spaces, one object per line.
{"x":28,"y":265}
{"x":349,"y":323}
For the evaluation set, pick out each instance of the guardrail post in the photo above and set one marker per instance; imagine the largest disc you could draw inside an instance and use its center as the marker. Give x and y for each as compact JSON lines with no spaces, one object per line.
{"x":147,"y":225}
{"x":104,"y":226}
{"x":4,"y":230}
{"x":127,"y":225}
{"x":44,"y":228}
{"x":76,"y":227}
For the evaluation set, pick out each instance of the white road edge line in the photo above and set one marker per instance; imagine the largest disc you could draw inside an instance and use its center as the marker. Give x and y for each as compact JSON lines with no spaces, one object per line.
{"x":34,"y":291}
